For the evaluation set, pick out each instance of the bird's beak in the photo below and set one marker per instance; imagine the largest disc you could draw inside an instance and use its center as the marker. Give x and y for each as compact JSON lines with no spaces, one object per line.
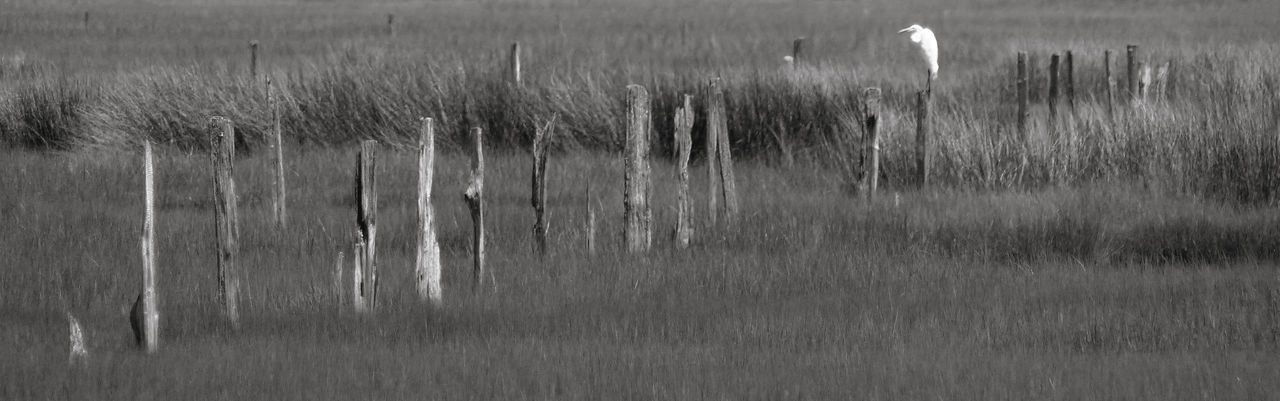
{"x":905,"y":30}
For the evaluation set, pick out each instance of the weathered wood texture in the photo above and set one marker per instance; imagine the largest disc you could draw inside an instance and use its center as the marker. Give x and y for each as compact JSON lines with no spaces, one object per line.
{"x":474,"y":197}
{"x":79,"y":351}
{"x":226,"y":213}
{"x":728,"y":181}
{"x":1131,"y":69}
{"x":1024,"y":110}
{"x":514,"y":68}
{"x":871,"y":127}
{"x":684,"y":147}
{"x":367,"y":222}
{"x":637,"y":215}
{"x":797,"y":50}
{"x":1110,"y":81}
{"x":253,"y":59}
{"x":591,"y":221}
{"x":1054,"y":89}
{"x":712,"y":152}
{"x":427,"y":268}
{"x":538,"y":188}
{"x":278,"y":208}
{"x":150,"y":307}
{"x":1069,"y":81}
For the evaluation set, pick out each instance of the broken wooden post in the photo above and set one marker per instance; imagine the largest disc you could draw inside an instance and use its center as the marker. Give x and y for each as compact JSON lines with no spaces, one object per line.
{"x":79,"y":351}
{"x":922,"y":137}
{"x":1069,"y":81}
{"x":728,"y":182}
{"x":359,"y":300}
{"x":538,"y":192}
{"x":797,"y":48}
{"x":684,"y":147}
{"x":427,"y":269}
{"x":1131,"y":55}
{"x":713,"y":152}
{"x":515,"y":63}
{"x":637,"y":216}
{"x":1110,"y":82}
{"x":226,"y":212}
{"x":367,"y":221}
{"x":253,"y":59}
{"x":871,"y":125}
{"x":1024,"y":112}
{"x":277,"y":194}
{"x":150,"y":310}
{"x":1054,"y":89}
{"x":474,"y":196}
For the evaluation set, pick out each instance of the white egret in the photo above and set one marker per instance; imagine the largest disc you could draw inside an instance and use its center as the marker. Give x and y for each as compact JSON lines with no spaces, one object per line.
{"x":928,"y":46}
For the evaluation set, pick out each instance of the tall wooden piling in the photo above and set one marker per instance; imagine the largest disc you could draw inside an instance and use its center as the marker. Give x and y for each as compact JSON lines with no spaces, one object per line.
{"x":150,"y":306}
{"x":427,"y":268}
{"x":638,"y":217}
{"x":367,"y":221}
{"x":474,"y":196}
{"x":538,"y":191}
{"x":714,"y":187}
{"x":278,"y":208}
{"x":226,"y":214}
{"x":871,"y":127}
{"x":1024,"y":107}
{"x":684,"y":147}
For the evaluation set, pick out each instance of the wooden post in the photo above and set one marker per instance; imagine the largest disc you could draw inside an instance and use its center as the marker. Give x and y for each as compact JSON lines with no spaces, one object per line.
{"x":75,"y":336}
{"x":150,"y":309}
{"x":1131,"y":55}
{"x":253,"y":59}
{"x":922,"y":137}
{"x":359,"y":300}
{"x":1069,"y":81}
{"x":1110,"y":82}
{"x":797,"y":48}
{"x":515,"y":63}
{"x":427,"y":269}
{"x":1159,"y":82}
{"x":1024,"y":112}
{"x":474,"y":196}
{"x":338,"y":280}
{"x":1144,"y":81}
{"x":278,"y":209}
{"x":226,"y":212}
{"x":728,"y":181}
{"x":1170,"y":84}
{"x":637,"y":217}
{"x":871,"y":125}
{"x":538,"y":192}
{"x":391,"y":25}
{"x":591,"y":222}
{"x":1054,"y":90}
{"x":713,"y":152}
{"x":684,"y":147}
{"x":367,"y":220}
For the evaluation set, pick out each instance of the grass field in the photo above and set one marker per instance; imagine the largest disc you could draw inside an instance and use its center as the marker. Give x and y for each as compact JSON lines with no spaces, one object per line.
{"x":1136,"y":261}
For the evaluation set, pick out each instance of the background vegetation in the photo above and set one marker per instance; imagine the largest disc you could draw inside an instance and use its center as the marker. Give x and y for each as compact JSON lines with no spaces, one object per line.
{"x":1132,"y":258}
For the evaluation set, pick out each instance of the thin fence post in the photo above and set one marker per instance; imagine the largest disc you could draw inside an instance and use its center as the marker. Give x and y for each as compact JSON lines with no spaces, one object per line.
{"x":367,"y":221}
{"x":1069,"y":81}
{"x":1131,"y":68}
{"x":1110,"y":82}
{"x":253,"y":59}
{"x":684,"y":146}
{"x":538,"y":192}
{"x":1054,"y":89}
{"x":713,"y":152}
{"x":428,"y":267}
{"x":871,"y":125}
{"x":391,"y":25}
{"x":718,"y":128}
{"x":922,"y":137}
{"x":150,"y":312}
{"x":338,"y":280}
{"x":638,"y":217}
{"x":1024,"y":112}
{"x":591,"y":221}
{"x":278,"y":208}
{"x":359,"y":300}
{"x":226,"y":212}
{"x":474,"y":196}
{"x":515,"y":63}
{"x":797,"y":49}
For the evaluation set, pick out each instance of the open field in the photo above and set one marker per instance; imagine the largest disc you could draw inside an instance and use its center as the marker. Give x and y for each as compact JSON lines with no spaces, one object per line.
{"x":1136,"y":260}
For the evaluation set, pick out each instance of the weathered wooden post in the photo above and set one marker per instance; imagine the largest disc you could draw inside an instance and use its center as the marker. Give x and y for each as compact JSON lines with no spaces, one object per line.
{"x":684,"y":147}
{"x":338,"y":280}
{"x":591,"y":222}
{"x":538,"y":192}
{"x":150,"y":309}
{"x":75,"y":336}
{"x":253,"y":59}
{"x":474,"y":196}
{"x":226,"y":212}
{"x":1144,"y":81}
{"x":728,"y":180}
{"x":1054,"y":70}
{"x":1069,"y":81}
{"x":515,"y":63}
{"x":1110,"y":82}
{"x":1131,"y":55}
{"x":637,"y":217}
{"x":871,"y":125}
{"x":278,"y":209}
{"x":714,"y":189}
{"x":1160,"y":81}
{"x":391,"y":25}
{"x":797,"y":49}
{"x":359,"y":300}
{"x":428,"y":267}
{"x":367,"y":221}
{"x":922,"y":137}
{"x":1024,"y":112}
{"x":1170,"y":84}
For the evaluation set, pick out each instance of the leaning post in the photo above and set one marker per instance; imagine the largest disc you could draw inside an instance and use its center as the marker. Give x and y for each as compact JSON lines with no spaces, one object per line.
{"x":684,"y":147}
{"x":637,"y":217}
{"x":427,"y":268}
{"x":538,"y":192}
{"x":226,"y":213}
{"x":714,"y":189}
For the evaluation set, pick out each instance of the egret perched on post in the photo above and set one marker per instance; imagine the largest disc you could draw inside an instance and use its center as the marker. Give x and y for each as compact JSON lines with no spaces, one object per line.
{"x":928,"y":46}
